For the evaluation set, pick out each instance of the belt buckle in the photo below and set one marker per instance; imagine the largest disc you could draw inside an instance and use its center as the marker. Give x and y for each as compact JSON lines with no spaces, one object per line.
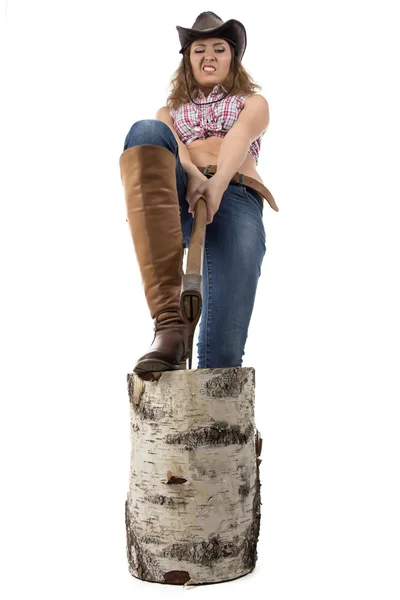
{"x":205,"y":172}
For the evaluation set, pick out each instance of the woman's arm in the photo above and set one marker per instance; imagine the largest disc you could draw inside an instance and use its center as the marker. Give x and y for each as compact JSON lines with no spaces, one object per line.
{"x":252,"y":122}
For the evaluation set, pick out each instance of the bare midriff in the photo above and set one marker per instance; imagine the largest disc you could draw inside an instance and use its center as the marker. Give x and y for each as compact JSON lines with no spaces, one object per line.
{"x":205,"y":152}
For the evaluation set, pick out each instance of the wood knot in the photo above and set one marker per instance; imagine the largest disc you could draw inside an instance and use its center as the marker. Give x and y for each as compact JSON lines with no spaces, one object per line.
{"x":173,"y":479}
{"x":176,"y":577}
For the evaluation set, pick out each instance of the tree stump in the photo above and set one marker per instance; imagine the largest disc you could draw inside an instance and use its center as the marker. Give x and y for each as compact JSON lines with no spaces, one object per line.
{"x":193,"y":507}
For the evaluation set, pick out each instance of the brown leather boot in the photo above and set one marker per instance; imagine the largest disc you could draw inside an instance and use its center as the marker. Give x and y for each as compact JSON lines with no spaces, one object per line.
{"x":148,"y":177}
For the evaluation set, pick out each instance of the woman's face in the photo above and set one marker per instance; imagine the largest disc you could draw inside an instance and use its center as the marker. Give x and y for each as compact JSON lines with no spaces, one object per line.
{"x":211,"y":51}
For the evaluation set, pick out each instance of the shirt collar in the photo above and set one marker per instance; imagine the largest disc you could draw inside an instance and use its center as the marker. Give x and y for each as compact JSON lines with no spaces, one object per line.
{"x":217,"y":90}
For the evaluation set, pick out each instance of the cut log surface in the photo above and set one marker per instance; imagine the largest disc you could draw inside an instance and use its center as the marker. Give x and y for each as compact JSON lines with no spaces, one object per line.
{"x":193,"y":505}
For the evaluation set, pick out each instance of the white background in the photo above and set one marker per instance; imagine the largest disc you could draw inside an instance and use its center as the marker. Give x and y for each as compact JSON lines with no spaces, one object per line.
{"x":324,"y":337}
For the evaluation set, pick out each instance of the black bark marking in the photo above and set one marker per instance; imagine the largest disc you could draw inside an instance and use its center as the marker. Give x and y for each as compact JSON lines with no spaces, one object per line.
{"x":244,"y":490}
{"x":176,"y":577}
{"x":128,"y":533}
{"x":150,"y":539}
{"x":166,"y":501}
{"x":253,"y":378}
{"x":204,"y":553}
{"x":217,"y":434}
{"x":142,"y":563}
{"x":252,"y":532}
{"x":147,"y":412}
{"x":228,"y":383}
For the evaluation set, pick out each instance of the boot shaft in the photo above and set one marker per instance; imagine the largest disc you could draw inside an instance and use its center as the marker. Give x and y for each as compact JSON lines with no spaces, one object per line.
{"x":152,"y":204}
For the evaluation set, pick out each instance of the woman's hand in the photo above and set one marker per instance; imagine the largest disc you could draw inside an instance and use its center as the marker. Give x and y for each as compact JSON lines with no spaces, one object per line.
{"x":194,"y":179}
{"x":211,"y":190}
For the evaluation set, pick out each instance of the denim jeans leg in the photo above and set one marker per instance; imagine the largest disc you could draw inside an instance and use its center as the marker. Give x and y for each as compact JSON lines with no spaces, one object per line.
{"x":234,"y":252}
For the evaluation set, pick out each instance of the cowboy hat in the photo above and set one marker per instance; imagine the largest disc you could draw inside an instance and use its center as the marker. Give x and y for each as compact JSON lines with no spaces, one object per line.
{"x":207,"y":25}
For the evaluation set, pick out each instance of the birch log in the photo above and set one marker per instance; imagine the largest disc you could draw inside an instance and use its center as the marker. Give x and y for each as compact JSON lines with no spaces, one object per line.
{"x":193,"y":506}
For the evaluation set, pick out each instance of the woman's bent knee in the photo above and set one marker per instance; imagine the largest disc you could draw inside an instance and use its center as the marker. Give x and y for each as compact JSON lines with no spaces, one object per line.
{"x":150,"y":131}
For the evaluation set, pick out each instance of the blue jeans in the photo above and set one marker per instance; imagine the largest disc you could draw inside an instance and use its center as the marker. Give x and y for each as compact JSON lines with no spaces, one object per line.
{"x":233,"y":254}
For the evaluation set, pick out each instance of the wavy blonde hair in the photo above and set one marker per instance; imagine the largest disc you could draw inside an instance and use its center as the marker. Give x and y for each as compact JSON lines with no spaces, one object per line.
{"x":244,"y":84}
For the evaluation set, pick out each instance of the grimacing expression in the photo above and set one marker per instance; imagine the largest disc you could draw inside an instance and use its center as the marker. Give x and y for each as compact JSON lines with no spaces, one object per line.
{"x":211,"y":51}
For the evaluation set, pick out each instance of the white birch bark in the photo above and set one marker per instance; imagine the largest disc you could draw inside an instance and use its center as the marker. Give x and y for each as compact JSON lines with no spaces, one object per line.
{"x":193,"y":506}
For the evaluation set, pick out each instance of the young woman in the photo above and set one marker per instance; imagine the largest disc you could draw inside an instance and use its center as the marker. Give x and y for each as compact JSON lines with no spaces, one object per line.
{"x":204,"y":143}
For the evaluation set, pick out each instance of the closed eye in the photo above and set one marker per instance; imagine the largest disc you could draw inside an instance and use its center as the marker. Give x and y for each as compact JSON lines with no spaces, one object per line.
{"x":217,"y":50}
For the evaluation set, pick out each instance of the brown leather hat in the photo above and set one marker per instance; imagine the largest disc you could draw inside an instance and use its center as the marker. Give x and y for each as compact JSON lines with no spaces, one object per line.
{"x":207,"y":25}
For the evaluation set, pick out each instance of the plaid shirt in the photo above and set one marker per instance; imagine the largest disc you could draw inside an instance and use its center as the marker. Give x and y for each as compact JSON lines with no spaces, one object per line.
{"x":192,"y":122}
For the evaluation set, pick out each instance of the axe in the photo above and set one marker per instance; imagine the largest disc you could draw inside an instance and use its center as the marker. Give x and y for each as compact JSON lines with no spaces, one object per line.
{"x":191,"y":294}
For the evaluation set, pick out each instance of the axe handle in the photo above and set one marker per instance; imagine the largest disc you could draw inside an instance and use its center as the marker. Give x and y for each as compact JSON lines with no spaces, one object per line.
{"x":194,"y":264}
{"x":191,"y":299}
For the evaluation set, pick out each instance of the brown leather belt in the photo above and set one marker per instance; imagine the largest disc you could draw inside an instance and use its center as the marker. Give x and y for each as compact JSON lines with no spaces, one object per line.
{"x":247,"y":181}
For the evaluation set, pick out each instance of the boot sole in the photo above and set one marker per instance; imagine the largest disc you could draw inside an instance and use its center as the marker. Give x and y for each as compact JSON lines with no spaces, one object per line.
{"x":149,"y":365}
